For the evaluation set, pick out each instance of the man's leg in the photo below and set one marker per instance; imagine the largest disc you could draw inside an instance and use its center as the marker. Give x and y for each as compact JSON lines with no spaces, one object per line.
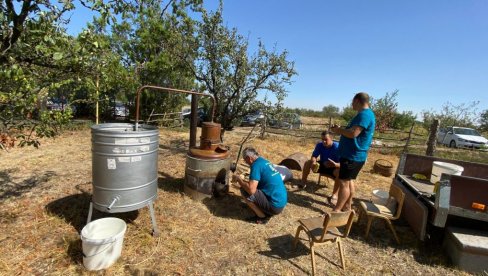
{"x":344,"y":193}
{"x":255,"y":209}
{"x":306,"y":170}
{"x":352,"y":191}
{"x":335,"y":190}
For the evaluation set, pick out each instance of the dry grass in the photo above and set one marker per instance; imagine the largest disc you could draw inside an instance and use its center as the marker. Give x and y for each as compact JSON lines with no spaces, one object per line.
{"x":44,"y":196}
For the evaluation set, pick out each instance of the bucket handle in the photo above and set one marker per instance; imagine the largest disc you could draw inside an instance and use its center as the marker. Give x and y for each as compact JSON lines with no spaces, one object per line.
{"x":101,"y":251}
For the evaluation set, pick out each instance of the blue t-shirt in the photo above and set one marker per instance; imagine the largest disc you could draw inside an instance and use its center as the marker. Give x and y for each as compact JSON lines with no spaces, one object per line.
{"x":326,"y":153}
{"x":269,"y":182}
{"x":356,"y":149}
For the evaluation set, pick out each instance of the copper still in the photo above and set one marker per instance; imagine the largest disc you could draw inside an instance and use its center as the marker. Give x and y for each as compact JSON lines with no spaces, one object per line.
{"x":208,"y":165}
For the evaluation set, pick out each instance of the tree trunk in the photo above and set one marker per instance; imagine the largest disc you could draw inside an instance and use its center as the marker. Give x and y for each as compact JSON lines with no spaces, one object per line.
{"x":431,"y":144}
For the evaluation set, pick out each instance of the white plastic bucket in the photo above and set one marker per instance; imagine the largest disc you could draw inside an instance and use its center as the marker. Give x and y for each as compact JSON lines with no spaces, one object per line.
{"x":102,"y":241}
{"x":439,"y":168}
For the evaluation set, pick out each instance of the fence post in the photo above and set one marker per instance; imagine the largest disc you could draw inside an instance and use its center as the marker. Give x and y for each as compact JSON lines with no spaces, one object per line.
{"x":432,"y":138}
{"x":405,"y":149}
{"x":330,"y":123}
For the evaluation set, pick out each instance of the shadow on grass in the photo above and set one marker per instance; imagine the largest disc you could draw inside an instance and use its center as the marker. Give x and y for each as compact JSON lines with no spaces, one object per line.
{"x":298,"y":197}
{"x":10,"y":188}
{"x":281,"y":248}
{"x":380,"y":236}
{"x":74,"y":210}
{"x":228,"y":206}
{"x":175,"y":146}
{"x":169,"y":183}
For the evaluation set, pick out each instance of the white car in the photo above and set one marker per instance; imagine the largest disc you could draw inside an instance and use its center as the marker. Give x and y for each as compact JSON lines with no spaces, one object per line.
{"x":461,"y":137}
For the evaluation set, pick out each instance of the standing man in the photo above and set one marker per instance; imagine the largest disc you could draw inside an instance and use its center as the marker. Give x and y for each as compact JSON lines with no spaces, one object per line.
{"x":353,"y":148}
{"x":324,"y":157}
{"x":265,"y":192}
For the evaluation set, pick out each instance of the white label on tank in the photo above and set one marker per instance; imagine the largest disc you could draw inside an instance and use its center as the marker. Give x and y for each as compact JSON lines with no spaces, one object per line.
{"x":117,"y":150}
{"x":124,"y":159}
{"x":111,"y":165}
{"x":144,"y":148}
{"x":144,"y":140}
{"x":135,"y":159}
{"x":126,"y":141}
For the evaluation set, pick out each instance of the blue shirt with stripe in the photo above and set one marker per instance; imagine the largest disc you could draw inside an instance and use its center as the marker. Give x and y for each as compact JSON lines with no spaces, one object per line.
{"x":269,"y":182}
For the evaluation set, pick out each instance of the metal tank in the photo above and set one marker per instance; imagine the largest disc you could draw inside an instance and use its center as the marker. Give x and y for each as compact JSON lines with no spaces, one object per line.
{"x":124,"y":168}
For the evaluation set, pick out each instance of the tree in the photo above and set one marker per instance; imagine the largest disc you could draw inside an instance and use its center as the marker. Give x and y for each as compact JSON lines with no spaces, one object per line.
{"x":403,"y":120}
{"x":464,"y":114}
{"x":348,"y":113}
{"x":484,"y":120}
{"x":330,"y":111}
{"x":226,"y":70}
{"x":385,"y":110}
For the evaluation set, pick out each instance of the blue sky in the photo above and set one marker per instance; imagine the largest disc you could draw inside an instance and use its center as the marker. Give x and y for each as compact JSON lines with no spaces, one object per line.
{"x":431,"y":51}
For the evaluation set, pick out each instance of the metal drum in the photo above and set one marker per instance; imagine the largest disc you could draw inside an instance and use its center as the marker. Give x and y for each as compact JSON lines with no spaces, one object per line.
{"x":124,"y":166}
{"x":205,"y":178}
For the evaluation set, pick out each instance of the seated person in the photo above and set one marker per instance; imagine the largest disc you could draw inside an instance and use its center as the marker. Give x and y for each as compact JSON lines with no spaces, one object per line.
{"x":265,"y":192}
{"x":325,"y":160}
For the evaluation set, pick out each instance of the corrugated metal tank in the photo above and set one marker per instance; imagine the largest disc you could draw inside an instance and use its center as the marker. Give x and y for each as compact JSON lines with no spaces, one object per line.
{"x":124,"y":166}
{"x":205,"y":178}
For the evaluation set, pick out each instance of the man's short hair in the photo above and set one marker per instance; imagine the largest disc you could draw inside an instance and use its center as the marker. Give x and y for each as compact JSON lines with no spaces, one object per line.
{"x":362,"y":97}
{"x":250,"y":152}
{"x":325,"y":132}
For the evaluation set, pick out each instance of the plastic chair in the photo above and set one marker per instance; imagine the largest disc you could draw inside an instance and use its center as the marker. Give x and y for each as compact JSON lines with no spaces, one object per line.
{"x":324,"y":229}
{"x":389,"y":211}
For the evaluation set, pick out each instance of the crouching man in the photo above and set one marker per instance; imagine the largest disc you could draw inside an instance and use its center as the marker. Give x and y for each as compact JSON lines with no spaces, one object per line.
{"x":265,"y":192}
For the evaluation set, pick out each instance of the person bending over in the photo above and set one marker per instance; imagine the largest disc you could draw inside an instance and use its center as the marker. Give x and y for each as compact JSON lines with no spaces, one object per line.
{"x":265,"y":192}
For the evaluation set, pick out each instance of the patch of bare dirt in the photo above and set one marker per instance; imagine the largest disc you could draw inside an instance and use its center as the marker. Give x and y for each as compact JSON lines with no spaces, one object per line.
{"x":44,"y":197}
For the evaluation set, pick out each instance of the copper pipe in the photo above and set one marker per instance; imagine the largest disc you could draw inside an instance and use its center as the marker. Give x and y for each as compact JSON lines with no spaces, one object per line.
{"x":171,"y":90}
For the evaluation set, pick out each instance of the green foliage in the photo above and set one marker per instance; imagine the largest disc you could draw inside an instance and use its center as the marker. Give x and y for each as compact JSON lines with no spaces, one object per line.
{"x":464,"y":115}
{"x":484,"y":121}
{"x":403,"y":120}
{"x":385,"y":110}
{"x":330,"y":111}
{"x":348,"y":113}
{"x":304,"y":112}
{"x":219,"y":59}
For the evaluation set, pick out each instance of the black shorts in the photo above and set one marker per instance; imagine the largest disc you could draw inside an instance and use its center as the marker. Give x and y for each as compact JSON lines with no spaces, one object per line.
{"x":326,"y":170}
{"x":260,"y":199}
{"x":349,"y":169}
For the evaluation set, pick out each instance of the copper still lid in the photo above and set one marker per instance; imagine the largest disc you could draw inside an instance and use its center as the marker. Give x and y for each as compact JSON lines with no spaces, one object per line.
{"x":210,"y":146}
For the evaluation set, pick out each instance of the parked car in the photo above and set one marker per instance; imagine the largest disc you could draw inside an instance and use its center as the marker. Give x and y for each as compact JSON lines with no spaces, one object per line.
{"x":252,"y":119}
{"x":120,"y":110}
{"x":287,"y":121}
{"x":202,"y":115}
{"x":461,"y":137}
{"x":59,"y":104}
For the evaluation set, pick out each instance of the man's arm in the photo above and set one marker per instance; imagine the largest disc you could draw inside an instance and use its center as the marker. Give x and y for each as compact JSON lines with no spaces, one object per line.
{"x":351,"y":132}
{"x":249,"y":186}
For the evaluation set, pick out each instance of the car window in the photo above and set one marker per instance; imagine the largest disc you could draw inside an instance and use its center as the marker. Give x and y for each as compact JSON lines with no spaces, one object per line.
{"x":466,"y":131}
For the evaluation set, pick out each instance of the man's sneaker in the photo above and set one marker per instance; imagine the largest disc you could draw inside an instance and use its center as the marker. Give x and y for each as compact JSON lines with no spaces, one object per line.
{"x":258,"y":220}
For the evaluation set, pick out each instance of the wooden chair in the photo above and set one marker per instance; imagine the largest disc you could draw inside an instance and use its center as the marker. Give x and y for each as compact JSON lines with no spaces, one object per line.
{"x":327,"y":177}
{"x":390,"y":211}
{"x":324,"y":229}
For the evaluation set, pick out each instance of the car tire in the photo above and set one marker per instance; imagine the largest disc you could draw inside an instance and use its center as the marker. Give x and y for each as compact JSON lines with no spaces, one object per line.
{"x":452,"y":144}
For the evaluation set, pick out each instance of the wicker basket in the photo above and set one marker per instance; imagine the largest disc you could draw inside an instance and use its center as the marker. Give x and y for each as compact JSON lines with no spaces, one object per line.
{"x":383,"y":167}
